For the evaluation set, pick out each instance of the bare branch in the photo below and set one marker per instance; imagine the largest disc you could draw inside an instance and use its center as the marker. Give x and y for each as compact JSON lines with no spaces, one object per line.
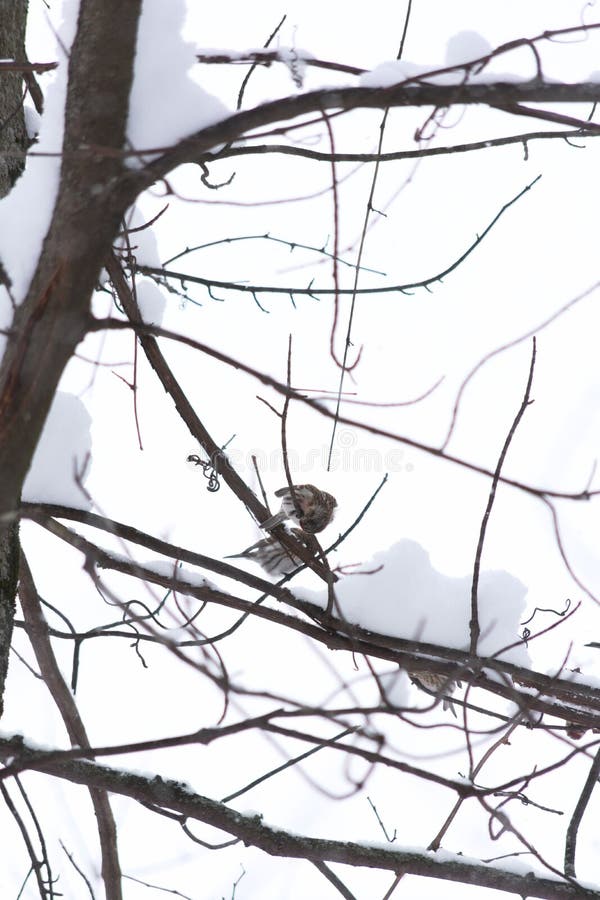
{"x":354,"y":291}
{"x":474,"y":623}
{"x":277,"y":842}
{"x":584,"y":798}
{"x":143,"y":329}
{"x":42,"y":647}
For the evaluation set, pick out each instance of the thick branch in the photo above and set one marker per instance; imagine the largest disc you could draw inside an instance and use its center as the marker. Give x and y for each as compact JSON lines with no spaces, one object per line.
{"x":52,"y":318}
{"x":13,"y":136}
{"x":217,"y":457}
{"x":573,"y":702}
{"x":253,"y":831}
{"x":497,"y":94}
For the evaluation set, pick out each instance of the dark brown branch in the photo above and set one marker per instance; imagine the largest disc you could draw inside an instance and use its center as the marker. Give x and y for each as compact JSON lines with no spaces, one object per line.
{"x":43,"y":513}
{"x":217,"y":457}
{"x":333,"y":879}
{"x":8,"y":66}
{"x":36,"y":865}
{"x":53,"y":678}
{"x":393,"y":155}
{"x":143,"y":329}
{"x":285,"y":55}
{"x":474,"y":623}
{"x":51,"y":319}
{"x":286,"y":765}
{"x":254,"y":63}
{"x":80,"y":871}
{"x":268,"y":57}
{"x":361,"y":247}
{"x":557,"y":697}
{"x":475,"y":770}
{"x":545,"y":115}
{"x":405,"y":94}
{"x":353,"y":291}
{"x":277,"y":842}
{"x":584,"y":798}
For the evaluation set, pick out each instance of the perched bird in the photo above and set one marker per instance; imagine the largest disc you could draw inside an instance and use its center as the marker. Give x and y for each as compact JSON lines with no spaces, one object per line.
{"x":271,"y":556}
{"x":309,"y":507}
{"x":437,"y":684}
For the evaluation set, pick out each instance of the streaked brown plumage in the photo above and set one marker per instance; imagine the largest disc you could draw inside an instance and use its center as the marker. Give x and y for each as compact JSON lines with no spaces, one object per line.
{"x":309,"y":507}
{"x":437,"y":684}
{"x":271,"y":556}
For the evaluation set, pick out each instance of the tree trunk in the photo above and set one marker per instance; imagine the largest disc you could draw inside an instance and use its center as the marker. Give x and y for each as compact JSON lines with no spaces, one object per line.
{"x":13,"y":139}
{"x":13,"y":136}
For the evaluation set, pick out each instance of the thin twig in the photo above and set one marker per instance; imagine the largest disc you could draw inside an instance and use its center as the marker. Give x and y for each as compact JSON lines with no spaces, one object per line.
{"x":260,"y":482}
{"x":288,"y":764}
{"x":217,"y":457}
{"x":79,"y":871}
{"x":395,"y":155}
{"x":134,"y":383}
{"x":314,"y":290}
{"x":507,"y":346}
{"x":254,"y":64}
{"x":503,"y":739}
{"x":332,"y":877}
{"x":62,"y":696}
{"x":284,"y":415}
{"x":36,"y":864}
{"x":144,"y":329}
{"x":474,"y":623}
{"x":584,"y":797}
{"x":336,"y":244}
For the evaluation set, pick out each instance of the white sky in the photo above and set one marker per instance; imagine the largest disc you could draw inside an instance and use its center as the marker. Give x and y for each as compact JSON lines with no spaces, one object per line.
{"x":541,"y":254}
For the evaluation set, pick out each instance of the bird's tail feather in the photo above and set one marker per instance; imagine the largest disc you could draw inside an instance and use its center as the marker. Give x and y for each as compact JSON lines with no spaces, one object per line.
{"x":278,"y":519}
{"x":246,"y":551}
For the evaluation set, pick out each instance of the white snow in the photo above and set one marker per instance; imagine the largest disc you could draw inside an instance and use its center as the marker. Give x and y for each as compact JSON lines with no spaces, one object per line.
{"x":150,"y":301}
{"x":165,"y":104}
{"x":466,"y":46}
{"x":62,"y":456}
{"x":141,"y":238}
{"x":33,"y":120}
{"x":396,"y":71}
{"x":169,"y":569}
{"x":26,"y":212}
{"x":408,"y":598}
{"x":462,"y":49}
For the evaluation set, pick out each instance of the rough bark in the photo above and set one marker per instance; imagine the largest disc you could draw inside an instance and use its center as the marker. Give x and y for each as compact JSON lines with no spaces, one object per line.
{"x":13,"y":136}
{"x":179,"y":798}
{"x":52,"y":318}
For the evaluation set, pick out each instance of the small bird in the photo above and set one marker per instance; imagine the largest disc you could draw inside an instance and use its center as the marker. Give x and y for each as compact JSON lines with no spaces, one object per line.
{"x":437,"y":684}
{"x":271,"y":556}
{"x":308,"y":507}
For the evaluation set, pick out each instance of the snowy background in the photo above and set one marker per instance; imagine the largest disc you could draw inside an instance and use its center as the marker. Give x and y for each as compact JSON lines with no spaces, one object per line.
{"x":423,"y":527}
